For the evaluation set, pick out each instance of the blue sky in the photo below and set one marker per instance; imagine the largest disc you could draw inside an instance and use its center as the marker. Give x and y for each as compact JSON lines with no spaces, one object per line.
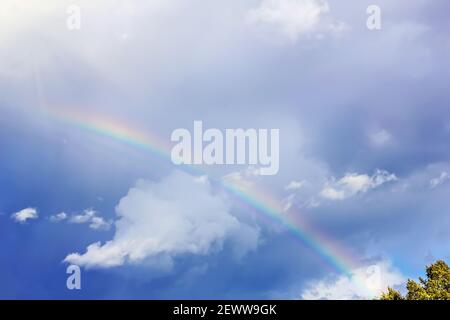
{"x":364,"y":123}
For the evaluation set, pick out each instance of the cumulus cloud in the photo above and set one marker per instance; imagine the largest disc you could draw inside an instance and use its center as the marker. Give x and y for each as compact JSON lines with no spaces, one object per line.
{"x":443,"y":177}
{"x":159,"y":221}
{"x":362,"y":283}
{"x":58,"y":217}
{"x":25,"y":214}
{"x":353,"y":183}
{"x":292,"y":17}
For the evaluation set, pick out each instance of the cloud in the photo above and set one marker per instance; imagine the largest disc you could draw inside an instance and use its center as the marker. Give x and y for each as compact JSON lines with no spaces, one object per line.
{"x":288,"y":202}
{"x":444,"y":176}
{"x":245,"y":179}
{"x":294,"y":185}
{"x":90,"y":216}
{"x":292,"y":17}
{"x":84,"y":217}
{"x":99,"y":223}
{"x":363,"y":283}
{"x":58,"y":217}
{"x":26,"y":214}
{"x":353,"y":183}
{"x":159,"y":221}
{"x":380,"y":138}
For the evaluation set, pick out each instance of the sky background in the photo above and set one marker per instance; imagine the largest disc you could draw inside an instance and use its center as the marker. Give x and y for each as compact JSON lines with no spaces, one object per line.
{"x":364,"y":119}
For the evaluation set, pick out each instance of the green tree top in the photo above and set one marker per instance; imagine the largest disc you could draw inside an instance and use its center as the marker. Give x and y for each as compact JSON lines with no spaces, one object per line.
{"x":435,"y":287}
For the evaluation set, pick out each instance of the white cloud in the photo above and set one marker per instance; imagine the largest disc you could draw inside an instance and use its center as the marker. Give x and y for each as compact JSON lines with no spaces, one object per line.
{"x":158,"y":221}
{"x":443,"y":177}
{"x":98,"y":223}
{"x":333,"y":194}
{"x":202,"y":179}
{"x":380,"y":138}
{"x":58,"y":217}
{"x":26,"y":214}
{"x":363,"y":283}
{"x":353,"y":183}
{"x":288,"y":202}
{"x":292,"y":17}
{"x":244,"y":179}
{"x":294,"y":185}
{"x":84,"y":217}
{"x":91,"y":216}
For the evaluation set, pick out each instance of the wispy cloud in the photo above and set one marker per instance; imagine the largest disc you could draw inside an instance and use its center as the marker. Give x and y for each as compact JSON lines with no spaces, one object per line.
{"x":88,"y":216}
{"x":91,"y":217}
{"x":380,"y":138}
{"x":293,"y":18}
{"x":294,"y":185}
{"x":443,"y":177}
{"x":58,"y":217}
{"x":353,"y":183}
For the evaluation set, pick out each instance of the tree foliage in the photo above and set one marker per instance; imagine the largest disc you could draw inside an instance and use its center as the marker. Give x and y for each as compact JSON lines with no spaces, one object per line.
{"x":436,"y":286}
{"x":391,"y":294}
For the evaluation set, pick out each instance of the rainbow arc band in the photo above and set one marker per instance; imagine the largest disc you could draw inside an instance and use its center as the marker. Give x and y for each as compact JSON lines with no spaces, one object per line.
{"x":263,"y":202}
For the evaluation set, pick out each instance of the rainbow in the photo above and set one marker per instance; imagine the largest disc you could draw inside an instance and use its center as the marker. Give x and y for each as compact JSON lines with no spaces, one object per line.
{"x":262,"y":202}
